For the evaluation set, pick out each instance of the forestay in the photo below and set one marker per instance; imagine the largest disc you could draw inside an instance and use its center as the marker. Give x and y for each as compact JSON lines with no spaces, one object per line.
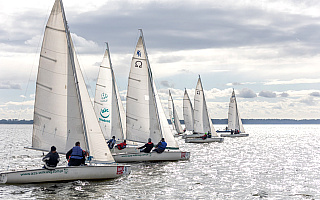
{"x":187,"y":112}
{"x":63,"y":112}
{"x":107,"y":102}
{"x":234,"y":119}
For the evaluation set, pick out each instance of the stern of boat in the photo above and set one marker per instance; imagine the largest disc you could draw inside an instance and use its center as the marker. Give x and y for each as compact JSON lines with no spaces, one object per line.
{"x":3,"y":178}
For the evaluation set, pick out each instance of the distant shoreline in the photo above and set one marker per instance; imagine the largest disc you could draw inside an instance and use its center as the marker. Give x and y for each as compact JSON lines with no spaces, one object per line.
{"x":215,"y":121}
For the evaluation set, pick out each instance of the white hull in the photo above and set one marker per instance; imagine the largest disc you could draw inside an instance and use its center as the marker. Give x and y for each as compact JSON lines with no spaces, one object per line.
{"x":192,"y":136}
{"x":235,"y":135}
{"x":153,"y":156}
{"x":200,"y":140}
{"x":65,"y":174}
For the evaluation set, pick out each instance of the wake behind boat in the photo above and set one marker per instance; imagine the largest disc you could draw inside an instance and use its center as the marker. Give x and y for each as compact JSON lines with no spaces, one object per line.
{"x":63,"y":112}
{"x":145,"y":117}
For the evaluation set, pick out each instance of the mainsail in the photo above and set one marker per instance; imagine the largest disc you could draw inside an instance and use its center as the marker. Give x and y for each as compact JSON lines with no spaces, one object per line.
{"x":145,"y":116}
{"x":107,"y":102}
{"x":174,"y":115}
{"x":202,"y":120}
{"x":63,"y":112}
{"x":234,"y":119}
{"x":187,"y":112}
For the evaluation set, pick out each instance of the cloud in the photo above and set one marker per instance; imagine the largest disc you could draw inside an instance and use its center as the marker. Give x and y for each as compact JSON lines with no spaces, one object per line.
{"x":267,"y":94}
{"x":247,"y":93}
{"x":315,"y":94}
{"x":166,"y":84}
{"x":309,"y":101}
{"x":284,"y":94}
{"x":293,"y":81}
{"x":9,"y":85}
{"x":83,"y":45}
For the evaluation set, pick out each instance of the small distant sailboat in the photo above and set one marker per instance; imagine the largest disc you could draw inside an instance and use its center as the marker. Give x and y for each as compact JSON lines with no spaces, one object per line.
{"x":234,"y":120}
{"x":107,"y":102}
{"x":202,"y":120}
{"x":63,"y":112}
{"x":145,"y":117}
{"x":187,"y":112}
{"x":174,"y":117}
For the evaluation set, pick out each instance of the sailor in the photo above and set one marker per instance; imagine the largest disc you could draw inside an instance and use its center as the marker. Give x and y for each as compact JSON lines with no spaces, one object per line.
{"x":111,"y":142}
{"x":204,"y":136}
{"x":209,"y":134}
{"x":231,"y":132}
{"x":51,"y":159}
{"x":122,"y":145}
{"x":146,"y":147}
{"x":161,"y":146}
{"x":76,"y":156}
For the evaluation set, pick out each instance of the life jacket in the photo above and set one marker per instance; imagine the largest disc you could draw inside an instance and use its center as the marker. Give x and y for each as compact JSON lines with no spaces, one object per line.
{"x":162,"y":146}
{"x":76,"y":153}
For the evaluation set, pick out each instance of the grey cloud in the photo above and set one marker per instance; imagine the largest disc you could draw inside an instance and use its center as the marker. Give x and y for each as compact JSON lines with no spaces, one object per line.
{"x":309,"y":101}
{"x":169,"y":59}
{"x":284,"y":94}
{"x":315,"y":94}
{"x":267,"y":94}
{"x":166,"y":84}
{"x":9,"y":85}
{"x":236,"y":83}
{"x":277,"y":107}
{"x":247,"y":93}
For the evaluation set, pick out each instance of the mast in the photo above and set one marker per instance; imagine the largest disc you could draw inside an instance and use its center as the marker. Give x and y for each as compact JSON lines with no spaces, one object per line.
{"x":71,"y":54}
{"x":114,"y":89}
{"x":151,"y":81}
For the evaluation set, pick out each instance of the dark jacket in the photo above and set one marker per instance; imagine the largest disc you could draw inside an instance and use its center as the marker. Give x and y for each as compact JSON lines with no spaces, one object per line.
{"x":111,"y":143}
{"x":51,"y":159}
{"x":148,"y":146}
{"x":162,"y":145}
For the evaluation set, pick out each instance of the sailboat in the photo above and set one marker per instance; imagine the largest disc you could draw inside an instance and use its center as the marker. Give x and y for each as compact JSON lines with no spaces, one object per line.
{"x":202,"y":120}
{"x":107,"y":102}
{"x":63,"y":112}
{"x":145,"y":117}
{"x":187,"y":112}
{"x":234,"y":119}
{"x":174,"y":117}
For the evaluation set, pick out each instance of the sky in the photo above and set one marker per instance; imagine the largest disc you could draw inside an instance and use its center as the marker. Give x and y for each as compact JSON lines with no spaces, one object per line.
{"x":266,"y":50}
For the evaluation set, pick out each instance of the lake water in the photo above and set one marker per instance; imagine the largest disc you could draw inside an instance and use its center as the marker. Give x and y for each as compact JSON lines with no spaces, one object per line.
{"x":274,"y":162}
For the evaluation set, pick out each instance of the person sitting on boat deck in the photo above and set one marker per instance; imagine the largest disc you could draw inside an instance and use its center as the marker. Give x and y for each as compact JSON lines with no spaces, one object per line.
{"x":161,"y":146}
{"x":51,"y":159}
{"x":146,"y":147}
{"x":76,"y":156}
{"x":226,"y":128}
{"x":231,"y":132}
{"x":236,"y":131}
{"x":204,"y":136}
{"x":111,"y":142}
{"x":122,"y":145}
{"x":184,"y":130}
{"x":209,"y":134}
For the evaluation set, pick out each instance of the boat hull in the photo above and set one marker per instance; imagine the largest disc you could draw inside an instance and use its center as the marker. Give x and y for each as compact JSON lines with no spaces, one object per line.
{"x":153,"y":156}
{"x":200,"y":140}
{"x":235,"y":135}
{"x":192,"y":136}
{"x":97,"y":172}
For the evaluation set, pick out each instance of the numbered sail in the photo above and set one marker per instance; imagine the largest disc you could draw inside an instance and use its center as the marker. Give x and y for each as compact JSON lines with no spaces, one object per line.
{"x":63,"y":112}
{"x":144,"y":114}
{"x":174,"y":115}
{"x":107,"y":102}
{"x":187,"y":112}
{"x":234,"y":119}
{"x":202,"y":121}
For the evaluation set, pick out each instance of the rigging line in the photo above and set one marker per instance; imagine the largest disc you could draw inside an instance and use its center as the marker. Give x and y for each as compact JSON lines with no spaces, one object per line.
{"x":30,"y":74}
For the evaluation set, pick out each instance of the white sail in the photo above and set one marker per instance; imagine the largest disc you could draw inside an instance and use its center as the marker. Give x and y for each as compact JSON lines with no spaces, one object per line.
{"x":234,"y":119}
{"x":202,"y":121}
{"x":174,"y":115}
{"x":145,"y":115}
{"x":187,"y":112}
{"x":63,"y":112}
{"x":107,"y":102}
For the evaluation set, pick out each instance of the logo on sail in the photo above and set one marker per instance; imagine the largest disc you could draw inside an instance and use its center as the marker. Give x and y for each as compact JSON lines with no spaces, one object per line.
{"x":139,"y":53}
{"x":104,"y":97}
{"x":104,"y":115}
{"x":138,"y":64}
